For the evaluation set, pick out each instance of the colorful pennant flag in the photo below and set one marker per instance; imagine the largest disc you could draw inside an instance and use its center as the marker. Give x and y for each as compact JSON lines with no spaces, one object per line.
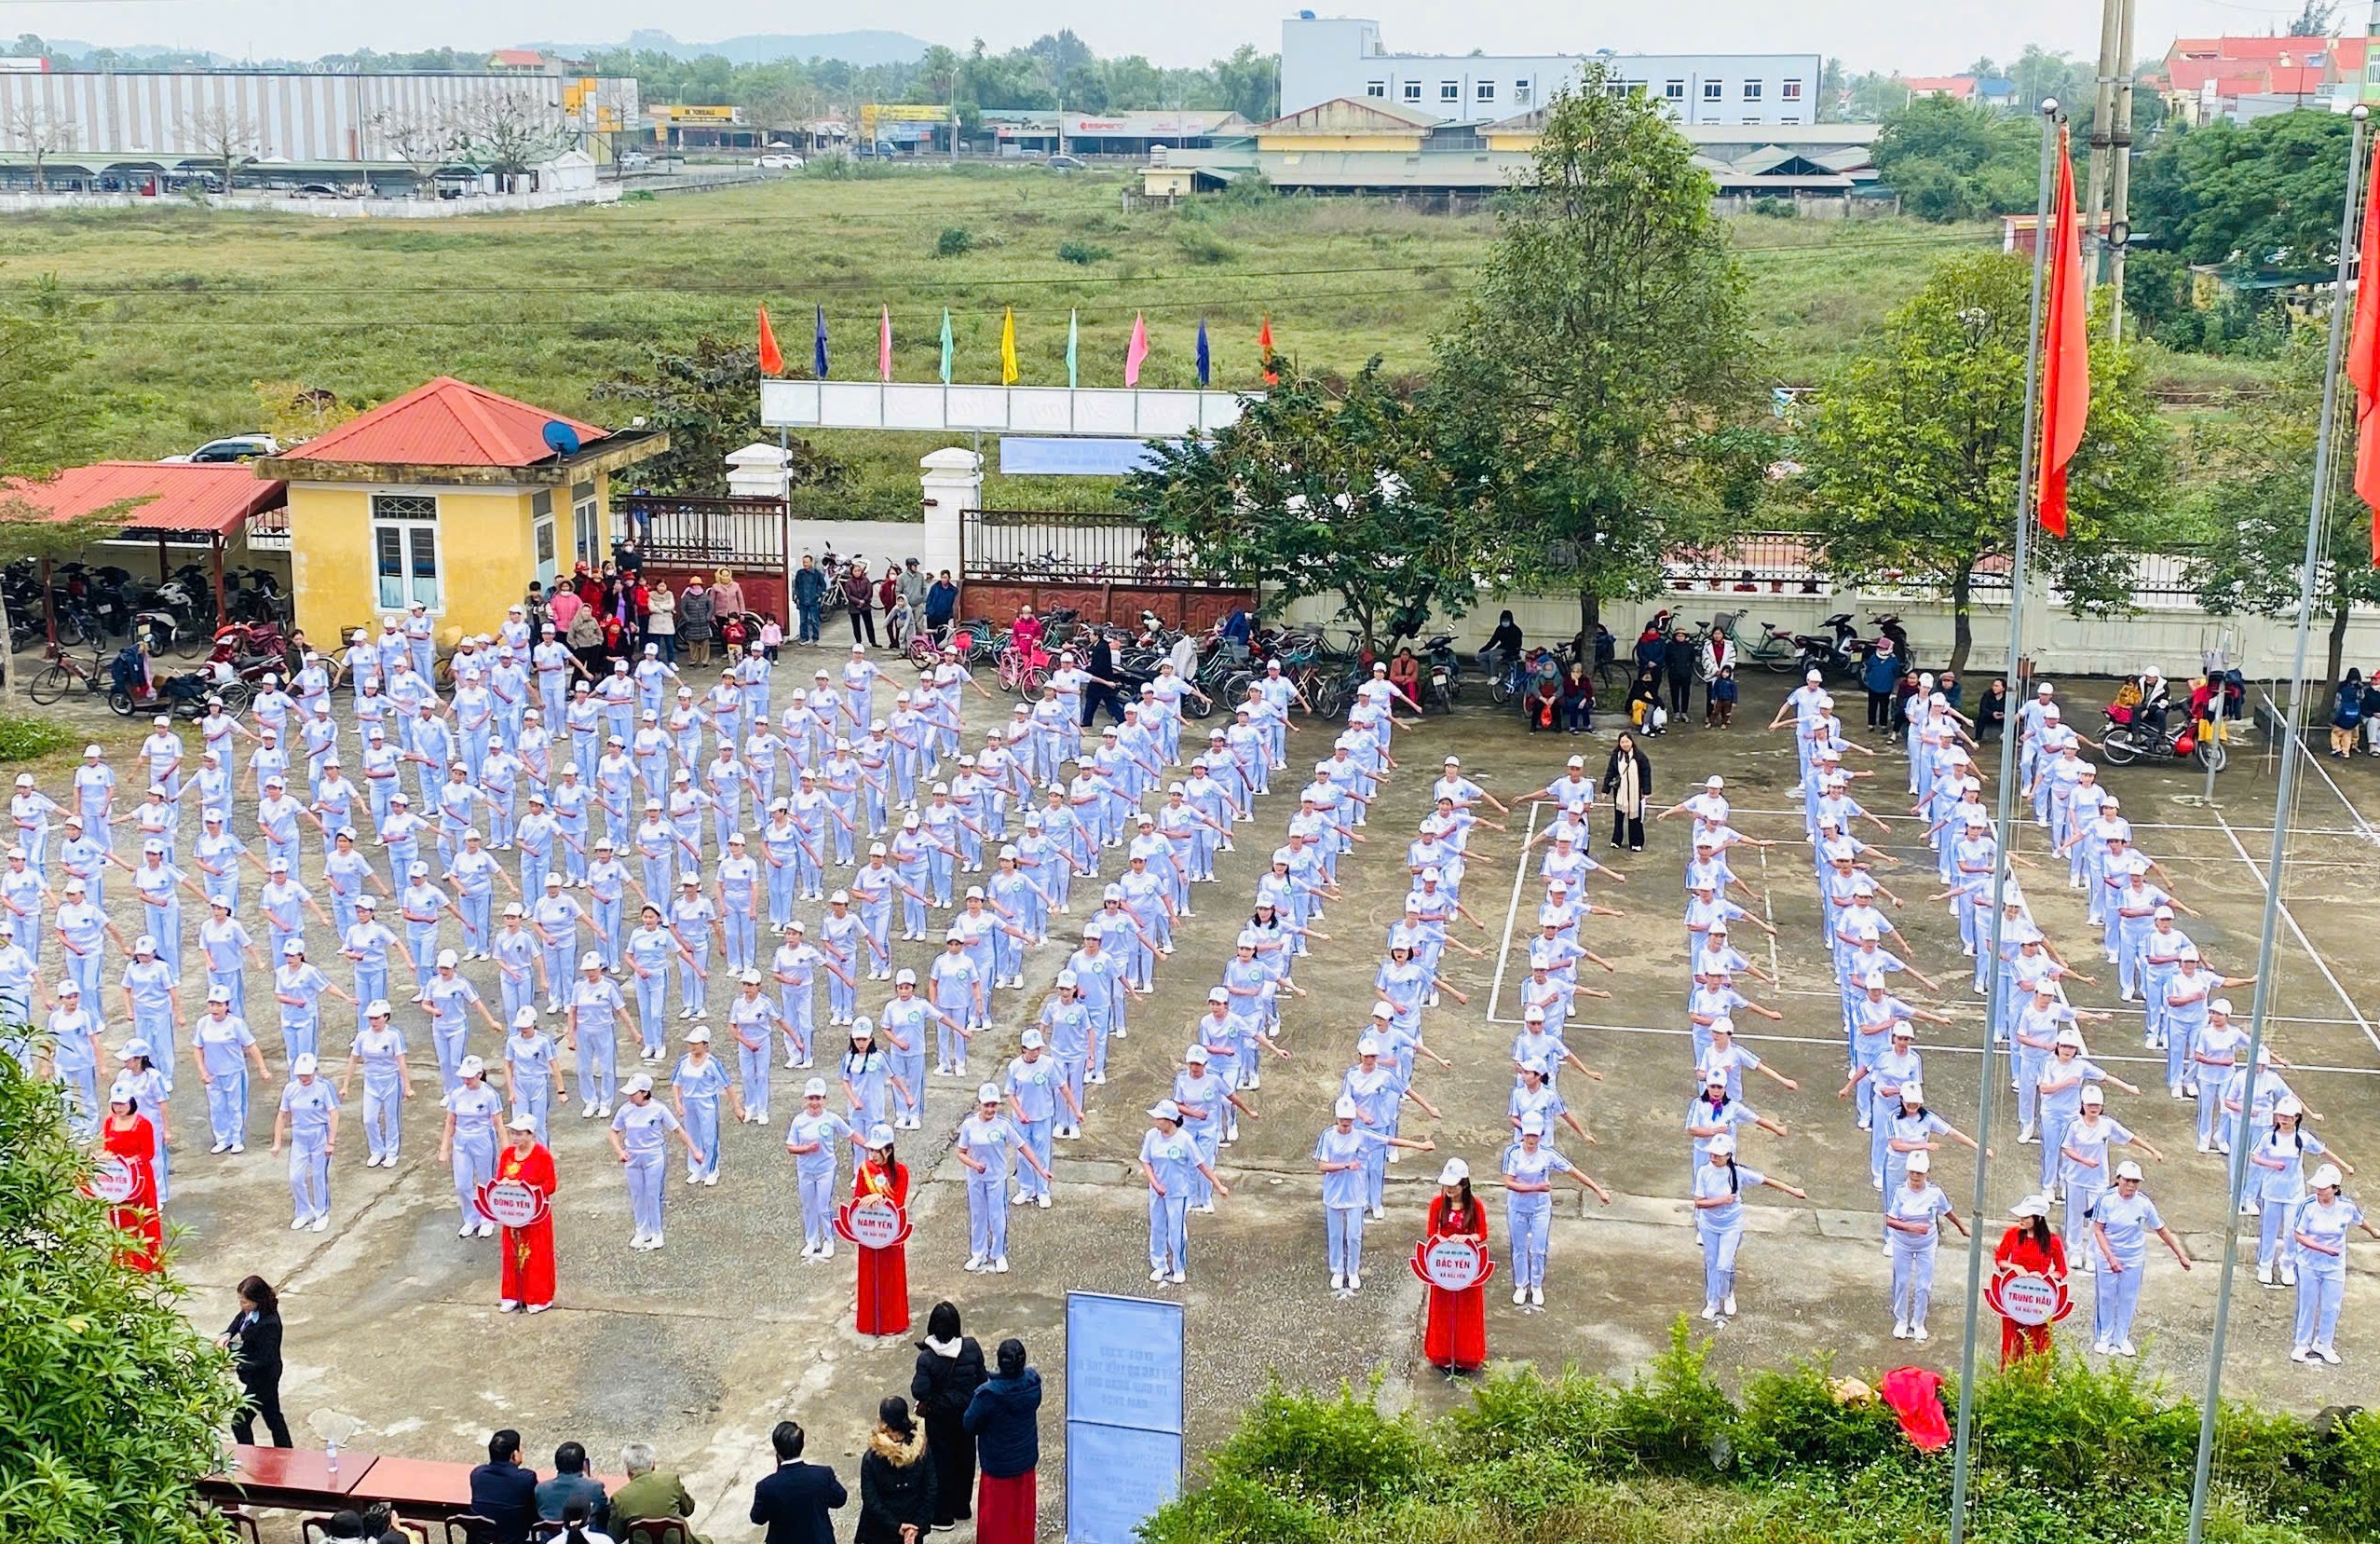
{"x":1072,"y":337}
{"x":818,"y":345}
{"x":771,"y":361}
{"x":884,"y":344}
{"x":946,"y":346}
{"x":2065,"y":370}
{"x":1136,"y":351}
{"x":1007,"y":347}
{"x":1264,"y":352}
{"x":1205,"y":361}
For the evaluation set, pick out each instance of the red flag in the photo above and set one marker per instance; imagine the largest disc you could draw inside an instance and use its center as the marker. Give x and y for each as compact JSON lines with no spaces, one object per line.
{"x":2065,"y":370}
{"x":771,"y":361}
{"x":1264,"y":352}
{"x":2363,"y":365}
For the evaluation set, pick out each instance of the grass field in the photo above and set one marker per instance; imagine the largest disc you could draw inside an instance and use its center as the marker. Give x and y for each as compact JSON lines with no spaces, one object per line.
{"x":186,"y":308}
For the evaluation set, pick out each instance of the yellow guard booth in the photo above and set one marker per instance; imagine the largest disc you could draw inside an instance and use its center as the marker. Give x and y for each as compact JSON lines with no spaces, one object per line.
{"x":450,"y":496}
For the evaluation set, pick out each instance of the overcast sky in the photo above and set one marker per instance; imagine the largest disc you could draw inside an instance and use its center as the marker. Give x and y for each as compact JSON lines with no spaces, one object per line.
{"x":1866,"y":33}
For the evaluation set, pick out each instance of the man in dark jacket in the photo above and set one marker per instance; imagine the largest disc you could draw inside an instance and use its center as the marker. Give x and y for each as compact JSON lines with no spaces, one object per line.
{"x":942,"y":600}
{"x":1005,"y":1420}
{"x":793,"y":1503}
{"x":503,"y":1491}
{"x":1678,"y":659}
{"x":809,"y":597}
{"x":1100,"y":689}
{"x":571,"y":1483}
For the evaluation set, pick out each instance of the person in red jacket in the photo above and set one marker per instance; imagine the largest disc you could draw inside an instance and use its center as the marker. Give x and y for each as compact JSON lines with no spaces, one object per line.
{"x":127,"y":1136}
{"x":2029,"y":1246}
{"x":882,"y":1180}
{"x":527,"y":1280}
{"x":1455,"y":1339}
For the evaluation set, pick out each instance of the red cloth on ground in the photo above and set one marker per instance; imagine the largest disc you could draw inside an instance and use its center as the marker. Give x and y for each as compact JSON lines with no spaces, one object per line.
{"x":884,"y":1274}
{"x":1915,"y":1396}
{"x":138,"y":1218}
{"x":1456,"y":1332}
{"x":1007,"y":1511}
{"x":528,"y":1271}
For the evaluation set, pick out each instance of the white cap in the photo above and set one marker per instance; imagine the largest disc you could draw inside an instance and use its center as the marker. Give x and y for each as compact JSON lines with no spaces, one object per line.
{"x":1532,"y":1125}
{"x":2325,"y":1178}
{"x":590,"y":961}
{"x":470,"y":1065}
{"x":2288,"y":1104}
{"x":699,"y":1035}
{"x":1166,"y":1109}
{"x":640,"y":1084}
{"x":1920,"y":1163}
{"x":814,"y":1088}
{"x":908,"y":978}
{"x":1454,"y":1174}
{"x":1577,"y":762}
{"x":1345,"y":1108}
{"x":1722,"y":1146}
{"x":2094,"y":1094}
{"x":522,"y":1122}
{"x":2128,"y":1169}
{"x":2069,"y":1037}
{"x":1031,"y":1040}
{"x":304,"y":1064}
{"x":1714,"y":781}
{"x":2031,"y":1206}
{"x":446,"y":957}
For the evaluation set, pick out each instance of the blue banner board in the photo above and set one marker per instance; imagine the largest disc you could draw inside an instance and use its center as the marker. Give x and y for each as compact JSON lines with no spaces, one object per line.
{"x":1047,"y":455}
{"x":1123,"y":1413}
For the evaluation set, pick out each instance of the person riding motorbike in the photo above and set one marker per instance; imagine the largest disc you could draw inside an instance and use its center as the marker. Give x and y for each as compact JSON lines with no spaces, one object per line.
{"x":2155,"y":698}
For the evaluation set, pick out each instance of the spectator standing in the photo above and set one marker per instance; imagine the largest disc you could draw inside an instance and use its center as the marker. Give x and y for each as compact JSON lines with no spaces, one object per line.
{"x":627,"y":555}
{"x":562,"y":607}
{"x":648,"y":1493}
{"x":572,"y":1485}
{"x":1992,"y":710}
{"x":942,"y":600}
{"x":2346,"y":713}
{"x":810,"y":595}
{"x":950,"y":1367}
{"x":726,"y":595}
{"x":794,"y":1502}
{"x":1878,"y":677}
{"x":503,"y":1491}
{"x":1627,"y":778}
{"x":694,"y":620}
{"x":896,"y":1481}
{"x":858,"y":600}
{"x":254,"y":1337}
{"x":660,"y":620}
{"x":586,"y":640}
{"x":1100,"y":689}
{"x":1719,"y":713}
{"x":1005,"y":1420}
{"x":914,"y":587}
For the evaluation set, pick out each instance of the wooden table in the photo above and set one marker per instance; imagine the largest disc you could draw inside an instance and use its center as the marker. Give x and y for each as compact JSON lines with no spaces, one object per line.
{"x":293,"y":1479}
{"x":419,"y":1487}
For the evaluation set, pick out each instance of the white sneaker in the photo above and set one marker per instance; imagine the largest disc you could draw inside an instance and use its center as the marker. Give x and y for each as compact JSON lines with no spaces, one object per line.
{"x":488,"y":1230}
{"x":1019,"y":1199}
{"x":1919,"y":1333}
{"x":974,"y":1263}
{"x":810,"y":1250}
{"x":2327,"y":1354}
{"x":1157,"y":1275}
{"x":2101,"y":1348}
{"x":1901,"y":1328}
{"x":2264,"y":1273}
{"x":602,"y":1110}
{"x":239,"y":1147}
{"x":655,"y":1243}
{"x":1727,"y":1307}
{"x":467,"y":1230}
{"x":1520,"y":1298}
{"x":298,"y":1223}
{"x":826,"y":1251}
{"x":1179,"y":1277}
{"x":1537,"y":1297}
{"x":999,"y":1265}
{"x":220,"y":1147}
{"x":588,"y":1111}
{"x":1355,"y":1283}
{"x":2301,"y":1353}
{"x":693,"y":1178}
{"x":712,"y":1178}
{"x":1710,"y":1310}
{"x":2289,"y":1274}
{"x":1339,"y":1282}
{"x":2124,"y":1349}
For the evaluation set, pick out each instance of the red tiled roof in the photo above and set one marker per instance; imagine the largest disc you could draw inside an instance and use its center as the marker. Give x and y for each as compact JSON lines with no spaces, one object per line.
{"x":2265,"y":47}
{"x":446,"y":423}
{"x":190,"y":496}
{"x":1958,"y":86}
{"x":529,"y":57}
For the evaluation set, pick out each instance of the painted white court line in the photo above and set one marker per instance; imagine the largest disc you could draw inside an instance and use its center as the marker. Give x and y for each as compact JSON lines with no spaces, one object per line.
{"x":2139,"y":825}
{"x":2304,"y":942}
{"x":2315,"y":764}
{"x":1511,"y":913}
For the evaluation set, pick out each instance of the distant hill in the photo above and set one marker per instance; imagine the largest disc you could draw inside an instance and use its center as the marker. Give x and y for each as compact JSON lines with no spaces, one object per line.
{"x":862,"y":49}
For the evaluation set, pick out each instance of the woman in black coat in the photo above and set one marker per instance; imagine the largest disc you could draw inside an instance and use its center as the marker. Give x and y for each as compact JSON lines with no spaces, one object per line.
{"x":896,"y":1479}
{"x":254,"y":1337}
{"x":1627,"y":781}
{"x":950,"y":1367}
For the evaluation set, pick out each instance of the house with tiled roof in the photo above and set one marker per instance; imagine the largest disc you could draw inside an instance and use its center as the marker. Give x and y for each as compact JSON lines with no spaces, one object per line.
{"x":450,"y":496}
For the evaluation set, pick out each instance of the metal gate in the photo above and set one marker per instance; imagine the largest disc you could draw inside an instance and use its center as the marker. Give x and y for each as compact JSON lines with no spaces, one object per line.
{"x":1108,"y":568}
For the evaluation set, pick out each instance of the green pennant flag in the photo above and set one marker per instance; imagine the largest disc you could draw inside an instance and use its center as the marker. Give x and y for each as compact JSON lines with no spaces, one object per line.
{"x":1069,"y":351}
{"x":946,"y":346}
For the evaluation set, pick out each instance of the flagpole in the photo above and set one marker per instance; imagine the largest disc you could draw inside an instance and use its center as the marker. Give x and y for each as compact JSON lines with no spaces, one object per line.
{"x":2005,"y":824}
{"x":2283,"y":800}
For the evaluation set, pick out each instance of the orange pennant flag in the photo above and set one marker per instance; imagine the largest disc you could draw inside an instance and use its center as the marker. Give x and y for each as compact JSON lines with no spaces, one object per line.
{"x":2363,"y":364}
{"x":2065,"y":370}
{"x":1264,"y":352}
{"x":771,"y":361}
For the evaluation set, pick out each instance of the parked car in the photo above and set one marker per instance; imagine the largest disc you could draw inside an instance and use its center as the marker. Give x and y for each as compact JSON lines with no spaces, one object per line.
{"x":1066,"y":163}
{"x":233,"y":447}
{"x":778,"y":160}
{"x":317,"y":190}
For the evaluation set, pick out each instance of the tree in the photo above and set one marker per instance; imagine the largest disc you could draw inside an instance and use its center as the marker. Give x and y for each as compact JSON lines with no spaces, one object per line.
{"x":2313,"y":20}
{"x":1250,"y":83}
{"x":1912,"y":456}
{"x":423,"y":138}
{"x":226,"y":137}
{"x":1313,"y":493}
{"x":510,"y":133}
{"x":293,"y":412}
{"x":708,"y":399}
{"x":1583,"y":382}
{"x":2254,"y":500}
{"x":44,"y":424}
{"x":39,"y":133}
{"x":111,"y":1400}
{"x":1955,"y":160}
{"x":2265,"y":193}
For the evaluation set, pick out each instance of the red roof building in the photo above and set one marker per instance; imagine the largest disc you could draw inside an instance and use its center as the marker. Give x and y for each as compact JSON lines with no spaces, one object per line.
{"x":445,"y":422}
{"x":2204,"y":78}
{"x":175,"y":498}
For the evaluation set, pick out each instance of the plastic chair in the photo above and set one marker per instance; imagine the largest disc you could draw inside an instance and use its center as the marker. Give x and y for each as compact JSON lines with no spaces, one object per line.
{"x":470,"y":1528}
{"x":657,"y":1530}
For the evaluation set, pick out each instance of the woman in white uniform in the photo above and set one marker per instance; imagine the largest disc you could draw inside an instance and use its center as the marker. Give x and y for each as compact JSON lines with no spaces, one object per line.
{"x":2277,"y":1177}
{"x":1718,"y":1219}
{"x":1913,"y":1214}
{"x":2321,"y":1240}
{"x":640,"y":1135}
{"x":989,"y":1144}
{"x":2121,"y":1224}
{"x":1529,"y":1168}
{"x":1342,"y":1153}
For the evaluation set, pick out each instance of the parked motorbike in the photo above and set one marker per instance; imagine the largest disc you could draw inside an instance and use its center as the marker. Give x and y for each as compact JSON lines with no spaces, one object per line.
{"x":1839,"y":651}
{"x":2132,"y":738}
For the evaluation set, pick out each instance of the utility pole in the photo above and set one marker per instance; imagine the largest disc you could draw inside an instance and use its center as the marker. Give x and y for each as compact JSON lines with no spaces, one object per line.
{"x":2111,"y":28}
{"x":2119,"y":181}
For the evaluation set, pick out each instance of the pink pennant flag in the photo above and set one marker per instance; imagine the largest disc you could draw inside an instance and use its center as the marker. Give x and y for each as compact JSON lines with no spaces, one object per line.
{"x":884,"y":344}
{"x":1137,"y":350}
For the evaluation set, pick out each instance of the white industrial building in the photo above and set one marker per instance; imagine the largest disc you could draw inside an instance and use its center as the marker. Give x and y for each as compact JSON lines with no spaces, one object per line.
{"x":1326,"y":58}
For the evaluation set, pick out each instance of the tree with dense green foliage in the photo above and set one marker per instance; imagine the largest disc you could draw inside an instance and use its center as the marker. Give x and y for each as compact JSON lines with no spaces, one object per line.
{"x":707,"y":398}
{"x":1956,"y":160}
{"x":44,"y":426}
{"x":1315,"y":492}
{"x":1911,"y":456}
{"x":1587,"y":381}
{"x":112,"y":1402}
{"x":2264,"y":194}
{"x":2257,"y":496}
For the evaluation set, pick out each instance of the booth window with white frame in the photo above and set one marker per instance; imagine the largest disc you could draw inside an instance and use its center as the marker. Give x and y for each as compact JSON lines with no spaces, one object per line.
{"x":582,"y":518}
{"x":405,"y":551}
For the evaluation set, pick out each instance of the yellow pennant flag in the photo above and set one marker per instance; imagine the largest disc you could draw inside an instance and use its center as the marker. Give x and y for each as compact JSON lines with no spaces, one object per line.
{"x":1007,"y":347}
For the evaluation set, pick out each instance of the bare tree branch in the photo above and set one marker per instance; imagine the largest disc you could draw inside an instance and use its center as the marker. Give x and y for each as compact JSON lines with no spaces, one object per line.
{"x":228,"y":137}
{"x":33,"y":128}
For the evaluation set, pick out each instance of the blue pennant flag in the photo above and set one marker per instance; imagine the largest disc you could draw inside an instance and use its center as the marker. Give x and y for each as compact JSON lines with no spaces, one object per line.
{"x":1205,"y":364}
{"x":819,"y":346}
